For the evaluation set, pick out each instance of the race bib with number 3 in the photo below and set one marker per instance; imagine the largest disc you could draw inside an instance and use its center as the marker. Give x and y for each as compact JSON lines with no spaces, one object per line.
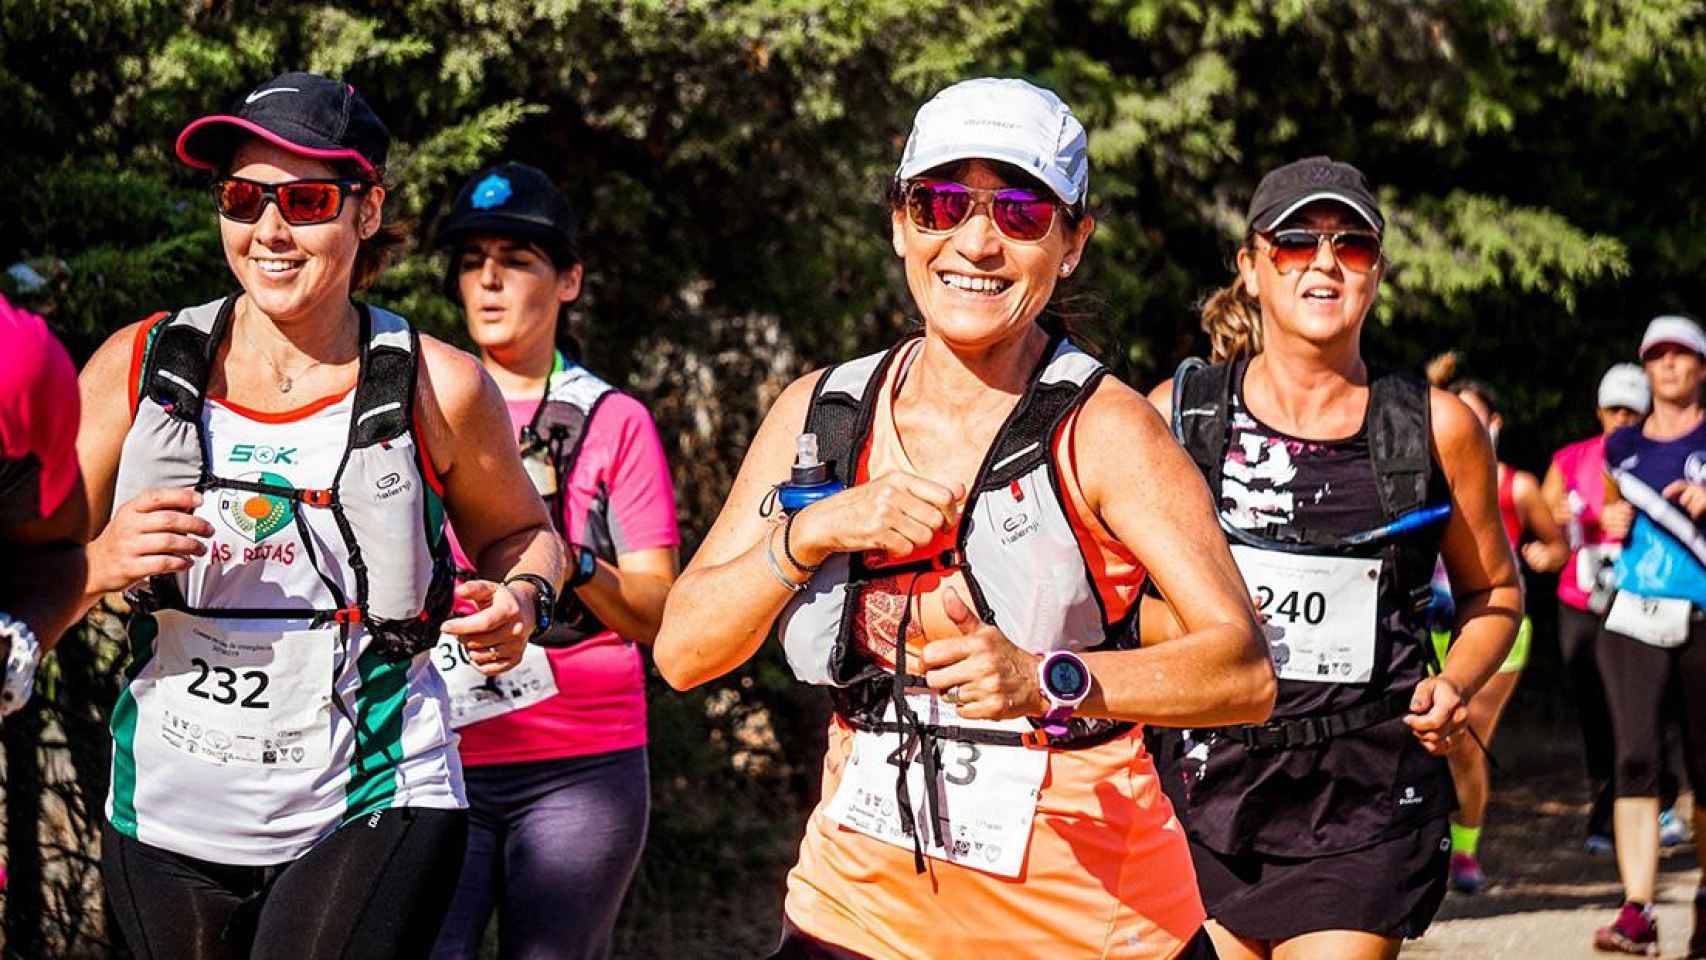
{"x":1321,"y":612}
{"x":252,"y":699}
{"x":475,"y":696}
{"x":988,"y":793}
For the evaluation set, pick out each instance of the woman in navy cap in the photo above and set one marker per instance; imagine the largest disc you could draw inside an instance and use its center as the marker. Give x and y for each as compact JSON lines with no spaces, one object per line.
{"x":277,"y":476}
{"x":555,"y":750}
{"x":1322,"y":832}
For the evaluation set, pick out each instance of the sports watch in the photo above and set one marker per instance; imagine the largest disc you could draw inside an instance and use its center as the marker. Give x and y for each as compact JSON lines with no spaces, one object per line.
{"x":1065,"y":681}
{"x":586,"y":567}
{"x":544,"y":601}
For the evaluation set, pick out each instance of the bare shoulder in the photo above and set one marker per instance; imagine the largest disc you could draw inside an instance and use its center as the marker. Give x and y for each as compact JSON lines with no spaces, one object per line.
{"x":1161,"y":397}
{"x":1116,"y":416}
{"x":112,"y":359}
{"x":454,"y":383}
{"x":1455,"y":429}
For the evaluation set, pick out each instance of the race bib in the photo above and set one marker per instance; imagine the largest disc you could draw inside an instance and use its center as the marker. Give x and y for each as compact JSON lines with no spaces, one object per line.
{"x":988,"y":794}
{"x":475,"y":696}
{"x":1321,"y":612}
{"x":1656,"y":621}
{"x":260,"y":699}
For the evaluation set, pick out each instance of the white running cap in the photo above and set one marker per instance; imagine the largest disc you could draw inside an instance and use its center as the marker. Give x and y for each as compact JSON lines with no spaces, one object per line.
{"x":1011,"y":121}
{"x":1625,"y":385}
{"x":1672,"y":328}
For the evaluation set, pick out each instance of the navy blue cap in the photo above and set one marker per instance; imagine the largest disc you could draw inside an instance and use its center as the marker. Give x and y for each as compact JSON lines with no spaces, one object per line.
{"x":511,"y":200}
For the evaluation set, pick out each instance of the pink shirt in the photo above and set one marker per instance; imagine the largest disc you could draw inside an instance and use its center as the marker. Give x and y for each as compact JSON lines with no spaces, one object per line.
{"x":38,"y":419}
{"x":601,"y":703}
{"x":1582,"y":465}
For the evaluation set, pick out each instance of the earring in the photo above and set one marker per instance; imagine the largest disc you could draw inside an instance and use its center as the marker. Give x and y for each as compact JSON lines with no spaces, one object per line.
{"x":1066,"y":269}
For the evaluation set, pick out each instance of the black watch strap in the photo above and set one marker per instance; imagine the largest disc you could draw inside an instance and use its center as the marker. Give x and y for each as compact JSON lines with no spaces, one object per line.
{"x":544,"y":605}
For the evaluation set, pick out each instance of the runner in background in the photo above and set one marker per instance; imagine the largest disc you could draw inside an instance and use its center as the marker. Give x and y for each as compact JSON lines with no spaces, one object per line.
{"x":554,"y":751}
{"x":986,"y":791}
{"x":1521,"y":510}
{"x":1574,"y":490}
{"x":1322,"y":832}
{"x":271,"y":484}
{"x":44,"y":518}
{"x":1654,"y":632}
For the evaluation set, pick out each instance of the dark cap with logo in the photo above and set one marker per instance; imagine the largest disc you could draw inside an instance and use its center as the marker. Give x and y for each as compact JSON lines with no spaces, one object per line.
{"x":1287,"y":189}
{"x":305,"y":113}
{"x":512,"y":200}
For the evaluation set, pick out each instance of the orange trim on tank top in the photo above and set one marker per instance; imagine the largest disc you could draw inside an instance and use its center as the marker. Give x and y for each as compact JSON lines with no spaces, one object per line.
{"x":139,"y":352}
{"x":286,"y":416}
{"x":428,"y":470}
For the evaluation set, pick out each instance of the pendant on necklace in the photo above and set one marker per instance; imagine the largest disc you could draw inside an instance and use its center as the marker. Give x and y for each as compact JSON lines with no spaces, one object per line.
{"x":284,"y":385}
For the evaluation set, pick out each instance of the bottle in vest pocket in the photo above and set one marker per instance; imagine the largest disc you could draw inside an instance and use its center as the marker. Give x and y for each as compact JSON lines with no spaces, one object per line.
{"x":810,"y":481}
{"x":536,"y":458}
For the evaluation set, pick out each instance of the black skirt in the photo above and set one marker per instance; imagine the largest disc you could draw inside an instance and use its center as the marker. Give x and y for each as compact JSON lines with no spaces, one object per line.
{"x":1392,"y":888}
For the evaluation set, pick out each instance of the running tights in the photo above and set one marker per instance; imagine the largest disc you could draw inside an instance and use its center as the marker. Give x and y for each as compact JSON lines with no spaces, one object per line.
{"x":377,"y":888}
{"x":1637,"y":677}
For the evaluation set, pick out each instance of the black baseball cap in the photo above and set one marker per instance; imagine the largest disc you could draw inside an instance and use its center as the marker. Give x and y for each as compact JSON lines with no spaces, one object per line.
{"x":1287,"y":189}
{"x":512,"y":200}
{"x":304,"y":113}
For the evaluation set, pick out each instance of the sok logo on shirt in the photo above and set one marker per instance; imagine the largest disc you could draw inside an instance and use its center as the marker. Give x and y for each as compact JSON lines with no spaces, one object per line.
{"x":256,"y":516}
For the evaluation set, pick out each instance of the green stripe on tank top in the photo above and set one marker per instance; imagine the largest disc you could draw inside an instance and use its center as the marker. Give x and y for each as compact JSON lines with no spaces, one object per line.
{"x":143,"y":630}
{"x":379,"y":734}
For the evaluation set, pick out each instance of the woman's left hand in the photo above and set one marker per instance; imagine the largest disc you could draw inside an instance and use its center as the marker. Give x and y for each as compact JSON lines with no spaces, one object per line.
{"x":1439,"y":714}
{"x":495,"y":634}
{"x":1692,"y":496}
{"x":980,"y":671}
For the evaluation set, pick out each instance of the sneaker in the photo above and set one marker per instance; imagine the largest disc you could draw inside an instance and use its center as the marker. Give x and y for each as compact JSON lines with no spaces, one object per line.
{"x":1466,"y":875}
{"x":1634,"y":931}
{"x":1671,"y":830}
{"x":1599,"y":845}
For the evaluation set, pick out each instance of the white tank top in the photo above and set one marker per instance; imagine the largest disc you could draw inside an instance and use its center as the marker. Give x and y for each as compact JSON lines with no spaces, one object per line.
{"x":236,"y":739}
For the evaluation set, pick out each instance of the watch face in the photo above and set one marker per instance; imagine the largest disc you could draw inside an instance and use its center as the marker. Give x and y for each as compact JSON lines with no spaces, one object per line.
{"x":1067,"y":679}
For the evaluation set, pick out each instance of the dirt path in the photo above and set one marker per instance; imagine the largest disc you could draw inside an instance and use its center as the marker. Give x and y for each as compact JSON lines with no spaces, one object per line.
{"x":1548,"y":895}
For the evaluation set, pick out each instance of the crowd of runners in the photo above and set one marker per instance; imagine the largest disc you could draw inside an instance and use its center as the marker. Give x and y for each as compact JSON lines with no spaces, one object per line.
{"x":1211,"y":671}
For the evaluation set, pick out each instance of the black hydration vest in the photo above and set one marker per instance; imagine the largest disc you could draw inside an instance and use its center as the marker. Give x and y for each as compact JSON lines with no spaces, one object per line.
{"x":1236,"y":797}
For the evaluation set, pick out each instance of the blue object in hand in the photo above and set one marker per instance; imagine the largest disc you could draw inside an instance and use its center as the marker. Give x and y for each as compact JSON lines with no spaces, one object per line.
{"x":810,"y":481}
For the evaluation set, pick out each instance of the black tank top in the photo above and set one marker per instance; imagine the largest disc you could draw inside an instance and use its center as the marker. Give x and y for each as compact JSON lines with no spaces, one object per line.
{"x":1354,"y":790}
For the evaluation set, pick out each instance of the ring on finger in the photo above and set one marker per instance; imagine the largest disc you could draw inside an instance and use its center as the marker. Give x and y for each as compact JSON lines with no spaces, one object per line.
{"x":952,"y":695}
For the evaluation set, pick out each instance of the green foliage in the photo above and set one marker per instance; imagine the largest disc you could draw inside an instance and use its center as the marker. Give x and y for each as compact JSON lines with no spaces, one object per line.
{"x":1537,"y":159}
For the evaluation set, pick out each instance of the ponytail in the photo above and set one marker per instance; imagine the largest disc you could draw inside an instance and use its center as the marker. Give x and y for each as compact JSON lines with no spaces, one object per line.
{"x":1233,"y":321}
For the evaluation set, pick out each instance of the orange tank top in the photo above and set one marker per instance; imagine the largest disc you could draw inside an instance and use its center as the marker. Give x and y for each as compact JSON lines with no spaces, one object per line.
{"x":1107,"y":872}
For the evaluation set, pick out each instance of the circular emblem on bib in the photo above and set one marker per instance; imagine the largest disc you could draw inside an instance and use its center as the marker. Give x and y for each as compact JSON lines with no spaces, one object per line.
{"x":256,"y":516}
{"x":1694,"y":468}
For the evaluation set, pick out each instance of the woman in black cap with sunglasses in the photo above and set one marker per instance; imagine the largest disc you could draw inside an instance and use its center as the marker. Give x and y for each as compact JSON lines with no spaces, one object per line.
{"x":558,"y":788}
{"x":1323,"y":831}
{"x":277,"y":476}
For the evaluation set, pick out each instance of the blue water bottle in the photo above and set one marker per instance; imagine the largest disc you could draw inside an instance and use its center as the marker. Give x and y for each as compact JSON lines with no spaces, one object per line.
{"x":810,"y":481}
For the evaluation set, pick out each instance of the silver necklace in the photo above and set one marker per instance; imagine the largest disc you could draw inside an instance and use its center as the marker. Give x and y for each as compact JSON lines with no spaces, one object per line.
{"x":283,"y":381}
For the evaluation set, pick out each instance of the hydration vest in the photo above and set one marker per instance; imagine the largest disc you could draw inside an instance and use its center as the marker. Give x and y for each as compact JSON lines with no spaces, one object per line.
{"x":403,"y":597}
{"x":1400,"y":439}
{"x":556,"y":433}
{"x":1015,"y":547}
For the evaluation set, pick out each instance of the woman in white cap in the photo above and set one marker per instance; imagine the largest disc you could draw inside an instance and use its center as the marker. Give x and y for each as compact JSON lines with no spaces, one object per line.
{"x":277,"y":476}
{"x":1322,"y":832}
{"x":967,"y":597}
{"x":1574,"y":490}
{"x":1654,"y":633}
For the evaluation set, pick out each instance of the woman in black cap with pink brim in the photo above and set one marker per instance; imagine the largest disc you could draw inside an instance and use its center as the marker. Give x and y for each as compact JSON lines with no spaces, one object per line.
{"x":1322,"y":833}
{"x":278,"y":472}
{"x":555,"y":750}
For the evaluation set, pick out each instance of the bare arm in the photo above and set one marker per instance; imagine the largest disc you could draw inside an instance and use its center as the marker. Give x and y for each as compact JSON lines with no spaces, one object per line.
{"x":628,"y":597}
{"x":1147,"y":491}
{"x":1554,"y":497}
{"x":703,"y":634}
{"x":1549,"y":549}
{"x":1477,"y":555}
{"x":499,"y":518}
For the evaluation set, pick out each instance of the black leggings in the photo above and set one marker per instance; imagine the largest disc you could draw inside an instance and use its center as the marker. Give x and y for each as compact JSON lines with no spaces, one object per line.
{"x":1637,"y":678}
{"x":377,"y":888}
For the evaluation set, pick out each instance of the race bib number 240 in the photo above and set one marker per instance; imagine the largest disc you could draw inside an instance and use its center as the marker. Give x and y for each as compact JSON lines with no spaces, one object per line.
{"x":1320,"y":612}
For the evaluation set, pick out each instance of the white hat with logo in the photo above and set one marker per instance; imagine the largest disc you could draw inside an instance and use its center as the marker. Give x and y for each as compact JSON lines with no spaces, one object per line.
{"x":1011,"y":121}
{"x":1673,"y":328}
{"x":1625,"y":385}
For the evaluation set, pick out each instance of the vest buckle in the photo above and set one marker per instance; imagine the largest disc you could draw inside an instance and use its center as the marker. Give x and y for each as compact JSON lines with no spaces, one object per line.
{"x":1037,"y":739}
{"x":315,"y":498}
